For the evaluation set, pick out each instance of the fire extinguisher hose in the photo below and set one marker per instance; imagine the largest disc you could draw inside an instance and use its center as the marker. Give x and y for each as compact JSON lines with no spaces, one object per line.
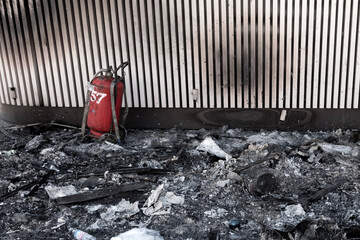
{"x":87,"y":100}
{"x":126,"y":110}
{"x":113,"y":110}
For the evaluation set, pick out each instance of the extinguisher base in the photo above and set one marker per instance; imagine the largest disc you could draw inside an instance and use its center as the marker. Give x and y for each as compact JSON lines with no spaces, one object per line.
{"x":95,"y":133}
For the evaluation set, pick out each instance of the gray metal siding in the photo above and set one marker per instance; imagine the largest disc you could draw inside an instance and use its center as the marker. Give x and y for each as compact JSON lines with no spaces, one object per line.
{"x":183,"y":53}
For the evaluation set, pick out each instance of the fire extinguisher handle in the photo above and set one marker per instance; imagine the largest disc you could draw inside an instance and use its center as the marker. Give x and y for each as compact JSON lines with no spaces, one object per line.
{"x":122,"y":67}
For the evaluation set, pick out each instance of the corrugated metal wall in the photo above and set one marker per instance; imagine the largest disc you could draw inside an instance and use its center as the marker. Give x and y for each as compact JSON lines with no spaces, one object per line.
{"x":183,"y":53}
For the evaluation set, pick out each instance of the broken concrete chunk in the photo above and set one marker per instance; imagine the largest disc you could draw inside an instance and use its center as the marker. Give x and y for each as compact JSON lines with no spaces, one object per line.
{"x":55,"y":192}
{"x":34,"y":143}
{"x":209,"y":146}
{"x":139,"y":234}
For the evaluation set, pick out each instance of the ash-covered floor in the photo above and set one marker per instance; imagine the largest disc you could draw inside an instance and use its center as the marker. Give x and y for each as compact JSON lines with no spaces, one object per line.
{"x":182,"y":184}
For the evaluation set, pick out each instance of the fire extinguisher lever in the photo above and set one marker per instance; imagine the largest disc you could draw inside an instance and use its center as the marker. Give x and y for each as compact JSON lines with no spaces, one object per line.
{"x":108,"y":70}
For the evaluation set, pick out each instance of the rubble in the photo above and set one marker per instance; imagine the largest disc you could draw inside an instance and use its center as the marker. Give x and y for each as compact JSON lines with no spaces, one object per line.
{"x":179,"y":184}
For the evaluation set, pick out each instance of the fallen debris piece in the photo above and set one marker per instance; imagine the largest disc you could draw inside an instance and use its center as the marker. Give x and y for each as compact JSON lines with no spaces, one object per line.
{"x":294,"y":210}
{"x":93,"y":181}
{"x":110,"y":215}
{"x":153,"y":205}
{"x":81,"y":235}
{"x":126,"y":170}
{"x":283,"y":115}
{"x":171,"y":198}
{"x":222,"y":183}
{"x":275,"y":138}
{"x":234,"y":223}
{"x":101,"y":193}
{"x":239,"y":170}
{"x":108,"y":146}
{"x":287,"y":220}
{"x":355,"y":136}
{"x":353,"y":232}
{"x":154,"y":196}
{"x":55,"y":192}
{"x":34,"y":143}
{"x":216,"y":213}
{"x":214,"y":234}
{"x":234,"y":176}
{"x":41,"y":182}
{"x":319,"y":194}
{"x":140,"y":177}
{"x":153,"y":164}
{"x":63,"y":125}
{"x":139,"y":234}
{"x":7,"y":153}
{"x":209,"y":146}
{"x":3,"y":131}
{"x":156,"y":205}
{"x":36,"y":183}
{"x":124,"y":209}
{"x":262,"y":183}
{"x":335,"y":148}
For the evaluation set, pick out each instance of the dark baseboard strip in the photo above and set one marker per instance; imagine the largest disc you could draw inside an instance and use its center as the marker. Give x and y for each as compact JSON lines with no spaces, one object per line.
{"x":248,"y":119}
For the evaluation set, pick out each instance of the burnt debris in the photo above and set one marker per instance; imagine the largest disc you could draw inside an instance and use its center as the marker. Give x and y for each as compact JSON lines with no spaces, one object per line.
{"x":179,"y":184}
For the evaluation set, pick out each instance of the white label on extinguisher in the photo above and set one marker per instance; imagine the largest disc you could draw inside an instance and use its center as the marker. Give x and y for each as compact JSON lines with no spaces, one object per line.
{"x":97,"y":96}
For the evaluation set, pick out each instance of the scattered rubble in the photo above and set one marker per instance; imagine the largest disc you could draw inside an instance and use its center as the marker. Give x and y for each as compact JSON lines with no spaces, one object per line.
{"x":179,"y":184}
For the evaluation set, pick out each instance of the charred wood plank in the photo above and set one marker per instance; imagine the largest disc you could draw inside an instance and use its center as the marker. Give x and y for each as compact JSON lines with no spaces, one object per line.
{"x":239,"y":170}
{"x":129,"y":170}
{"x":6,"y":134}
{"x":41,"y":182}
{"x":257,"y":162}
{"x":140,"y":177}
{"x":101,"y":193}
{"x":36,"y":183}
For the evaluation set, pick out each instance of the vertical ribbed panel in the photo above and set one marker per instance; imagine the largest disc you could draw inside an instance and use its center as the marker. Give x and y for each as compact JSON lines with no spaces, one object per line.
{"x":183,"y":53}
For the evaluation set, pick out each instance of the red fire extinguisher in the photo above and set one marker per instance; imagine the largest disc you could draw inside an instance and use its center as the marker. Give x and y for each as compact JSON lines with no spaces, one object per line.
{"x":103,"y":103}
